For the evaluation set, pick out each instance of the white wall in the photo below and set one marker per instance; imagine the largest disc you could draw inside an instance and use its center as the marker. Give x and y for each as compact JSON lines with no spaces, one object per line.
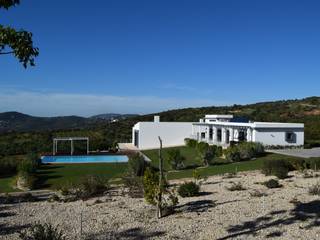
{"x":171,"y":133}
{"x":276,"y":136}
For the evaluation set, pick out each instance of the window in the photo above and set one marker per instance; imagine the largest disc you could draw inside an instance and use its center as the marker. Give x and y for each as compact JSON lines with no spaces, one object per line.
{"x":290,"y":137}
{"x":203,"y":135}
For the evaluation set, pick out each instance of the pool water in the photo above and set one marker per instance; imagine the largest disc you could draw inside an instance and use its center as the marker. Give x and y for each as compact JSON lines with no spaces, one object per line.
{"x":85,"y":159}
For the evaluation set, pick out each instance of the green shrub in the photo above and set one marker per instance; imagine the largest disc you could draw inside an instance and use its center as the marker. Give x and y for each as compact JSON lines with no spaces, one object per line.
{"x":313,"y":163}
{"x":137,"y":165}
{"x":243,"y":151}
{"x":133,"y":184}
{"x":25,"y":181}
{"x":272,"y":183}
{"x":207,"y":153}
{"x":298,"y":164}
{"x":27,"y":166}
{"x":175,"y":159}
{"x":151,"y":186}
{"x":91,"y":186}
{"x":8,"y":165}
{"x":276,"y":167}
{"x":189,"y":189}
{"x":42,"y":232}
{"x":232,"y":154}
{"x":192,"y":143}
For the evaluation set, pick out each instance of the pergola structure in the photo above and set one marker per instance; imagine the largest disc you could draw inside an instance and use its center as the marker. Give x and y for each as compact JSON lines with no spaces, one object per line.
{"x":71,"y":139}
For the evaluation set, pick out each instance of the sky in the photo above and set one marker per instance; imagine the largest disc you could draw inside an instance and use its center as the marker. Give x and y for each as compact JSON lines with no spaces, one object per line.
{"x":127,"y":56}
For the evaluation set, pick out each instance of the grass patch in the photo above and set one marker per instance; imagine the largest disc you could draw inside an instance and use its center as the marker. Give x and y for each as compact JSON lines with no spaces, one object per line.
{"x":220,"y":168}
{"x":53,"y":176}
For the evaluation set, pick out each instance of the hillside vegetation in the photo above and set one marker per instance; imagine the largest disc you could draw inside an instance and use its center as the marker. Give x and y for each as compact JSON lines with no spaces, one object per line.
{"x":103,"y":134}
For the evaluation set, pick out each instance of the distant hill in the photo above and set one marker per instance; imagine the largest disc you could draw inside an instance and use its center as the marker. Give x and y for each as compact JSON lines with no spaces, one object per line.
{"x":113,"y":116}
{"x":19,"y":122}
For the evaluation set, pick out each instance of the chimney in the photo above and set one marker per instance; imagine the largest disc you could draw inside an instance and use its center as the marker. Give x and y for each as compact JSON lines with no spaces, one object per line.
{"x":157,"y":119}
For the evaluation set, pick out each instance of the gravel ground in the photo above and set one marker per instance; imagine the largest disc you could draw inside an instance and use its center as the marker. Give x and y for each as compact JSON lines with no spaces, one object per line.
{"x":289,"y":212}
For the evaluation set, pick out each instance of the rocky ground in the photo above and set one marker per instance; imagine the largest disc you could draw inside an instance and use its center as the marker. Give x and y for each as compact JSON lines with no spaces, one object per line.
{"x":289,"y":212}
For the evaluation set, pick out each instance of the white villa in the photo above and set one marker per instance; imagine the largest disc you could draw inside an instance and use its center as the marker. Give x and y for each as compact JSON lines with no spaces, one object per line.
{"x":218,"y":130}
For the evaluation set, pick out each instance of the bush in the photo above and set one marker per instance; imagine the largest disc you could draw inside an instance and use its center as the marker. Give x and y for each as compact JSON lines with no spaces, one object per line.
{"x":137,"y":165}
{"x":91,"y":186}
{"x":272,"y":183}
{"x":8,"y":165}
{"x":25,"y":181}
{"x":207,"y":153}
{"x":257,"y":193}
{"x":27,"y":166}
{"x":189,"y":189}
{"x":315,"y":189}
{"x":134,"y":185}
{"x":243,"y":151}
{"x":236,"y":187}
{"x":175,"y":159}
{"x":192,"y":143}
{"x":276,"y":167}
{"x":42,"y":232}
{"x":151,"y":186}
{"x":232,"y":154}
{"x":298,"y":164}
{"x":313,"y":163}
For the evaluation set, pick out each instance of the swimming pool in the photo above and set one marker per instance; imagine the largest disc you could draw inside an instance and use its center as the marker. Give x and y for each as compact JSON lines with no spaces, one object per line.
{"x":85,"y":159}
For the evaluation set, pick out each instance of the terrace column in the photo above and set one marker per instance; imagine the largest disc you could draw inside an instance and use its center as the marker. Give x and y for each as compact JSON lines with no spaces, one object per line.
{"x":223,"y":135}
{"x":249,"y":135}
{"x":231,"y":134}
{"x":236,"y":134}
{"x":72,"y":147}
{"x":215,"y":134}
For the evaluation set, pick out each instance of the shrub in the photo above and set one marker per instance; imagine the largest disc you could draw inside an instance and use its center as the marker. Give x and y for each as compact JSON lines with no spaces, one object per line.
{"x":134,"y":185}
{"x":150,"y":184}
{"x":42,"y":232}
{"x":232,"y":154}
{"x":206,"y":153}
{"x":25,"y":181}
{"x":190,"y":142}
{"x":151,"y":191}
{"x":257,"y":193}
{"x":27,"y":166}
{"x":8,"y":165}
{"x":92,"y":185}
{"x":236,"y":187}
{"x":175,"y":159}
{"x":276,"y":167}
{"x":137,"y":165}
{"x":298,"y":164}
{"x":189,"y":189}
{"x":272,"y":183}
{"x":315,"y":189}
{"x":314,"y":163}
{"x":243,"y":151}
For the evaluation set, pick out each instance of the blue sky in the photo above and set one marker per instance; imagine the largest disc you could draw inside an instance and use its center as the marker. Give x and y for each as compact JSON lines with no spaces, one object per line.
{"x":147,"y":56}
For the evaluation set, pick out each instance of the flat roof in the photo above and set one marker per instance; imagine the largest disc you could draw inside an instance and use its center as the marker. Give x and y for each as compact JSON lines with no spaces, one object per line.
{"x":218,"y":116}
{"x":255,"y":124}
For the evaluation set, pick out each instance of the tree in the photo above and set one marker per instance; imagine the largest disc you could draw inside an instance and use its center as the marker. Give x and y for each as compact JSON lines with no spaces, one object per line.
{"x":175,"y":159}
{"x":19,"y":43}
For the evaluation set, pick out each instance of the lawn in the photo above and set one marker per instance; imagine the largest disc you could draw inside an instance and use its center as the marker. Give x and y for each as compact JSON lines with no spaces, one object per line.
{"x":220,"y":168}
{"x":53,"y":176}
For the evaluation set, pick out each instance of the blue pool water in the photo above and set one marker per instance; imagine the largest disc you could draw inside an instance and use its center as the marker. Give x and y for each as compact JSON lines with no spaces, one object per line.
{"x":85,"y":159}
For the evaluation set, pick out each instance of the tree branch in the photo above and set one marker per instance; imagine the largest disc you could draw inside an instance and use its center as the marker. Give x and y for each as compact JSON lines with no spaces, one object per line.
{"x":2,"y":53}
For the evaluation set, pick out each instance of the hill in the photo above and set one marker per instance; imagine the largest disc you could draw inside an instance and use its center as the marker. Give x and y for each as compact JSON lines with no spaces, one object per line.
{"x":19,"y":122}
{"x":103,"y":133}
